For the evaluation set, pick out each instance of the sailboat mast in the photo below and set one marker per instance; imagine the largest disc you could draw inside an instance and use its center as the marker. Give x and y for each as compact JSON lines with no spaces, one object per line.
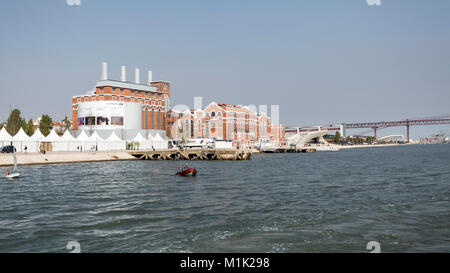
{"x":15,"y":159}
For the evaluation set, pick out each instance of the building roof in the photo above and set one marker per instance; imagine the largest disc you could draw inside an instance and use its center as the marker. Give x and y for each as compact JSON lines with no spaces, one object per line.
{"x":127,"y":85}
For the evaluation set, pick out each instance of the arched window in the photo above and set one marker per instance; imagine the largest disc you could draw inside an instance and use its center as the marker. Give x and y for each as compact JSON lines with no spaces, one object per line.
{"x":213,"y":114}
{"x":219,"y":114}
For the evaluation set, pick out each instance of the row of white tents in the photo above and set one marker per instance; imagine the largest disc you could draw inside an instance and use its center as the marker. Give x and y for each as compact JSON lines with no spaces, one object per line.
{"x":67,"y":142}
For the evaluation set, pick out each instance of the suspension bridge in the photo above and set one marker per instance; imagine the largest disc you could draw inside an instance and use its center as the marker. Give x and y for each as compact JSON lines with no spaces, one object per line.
{"x":435,"y":120}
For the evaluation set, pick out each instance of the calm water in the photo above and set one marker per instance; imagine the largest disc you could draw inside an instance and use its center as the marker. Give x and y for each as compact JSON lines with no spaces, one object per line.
{"x":320,"y":202}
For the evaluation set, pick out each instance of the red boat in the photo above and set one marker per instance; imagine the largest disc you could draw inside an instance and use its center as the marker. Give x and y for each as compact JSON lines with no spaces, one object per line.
{"x":188,"y":171}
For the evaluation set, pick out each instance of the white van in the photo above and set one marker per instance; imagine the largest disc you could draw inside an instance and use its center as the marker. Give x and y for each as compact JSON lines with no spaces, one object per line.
{"x":199,"y":143}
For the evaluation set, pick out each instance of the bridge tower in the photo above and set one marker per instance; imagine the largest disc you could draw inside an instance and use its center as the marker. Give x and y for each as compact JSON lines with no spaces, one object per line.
{"x":407,"y":131}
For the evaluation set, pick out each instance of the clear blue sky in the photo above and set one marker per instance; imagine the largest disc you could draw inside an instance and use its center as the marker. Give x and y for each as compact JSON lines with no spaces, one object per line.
{"x":322,"y":61}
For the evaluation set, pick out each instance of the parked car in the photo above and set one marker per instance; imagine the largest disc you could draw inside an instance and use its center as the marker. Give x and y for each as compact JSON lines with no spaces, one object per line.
{"x":8,"y":149}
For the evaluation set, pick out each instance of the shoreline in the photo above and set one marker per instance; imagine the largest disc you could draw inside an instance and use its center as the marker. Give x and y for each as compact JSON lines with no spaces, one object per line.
{"x":343,"y":147}
{"x":6,"y":160}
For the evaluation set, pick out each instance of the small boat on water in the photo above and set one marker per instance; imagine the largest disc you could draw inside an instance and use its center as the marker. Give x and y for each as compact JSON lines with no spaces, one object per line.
{"x":186,"y":172}
{"x":14,"y":173}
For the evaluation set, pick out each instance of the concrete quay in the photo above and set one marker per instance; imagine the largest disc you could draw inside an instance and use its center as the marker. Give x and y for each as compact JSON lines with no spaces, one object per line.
{"x":64,"y":157}
{"x":194,"y":154}
{"x":292,"y":150}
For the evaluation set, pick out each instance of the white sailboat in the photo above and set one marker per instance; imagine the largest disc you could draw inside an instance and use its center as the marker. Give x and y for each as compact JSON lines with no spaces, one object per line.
{"x":14,"y":173}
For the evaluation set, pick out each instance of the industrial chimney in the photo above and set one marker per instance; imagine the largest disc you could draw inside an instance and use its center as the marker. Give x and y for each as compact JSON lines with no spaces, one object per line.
{"x":104,"y":71}
{"x":136,"y":75}
{"x":123,"y":76}
{"x":150,"y":77}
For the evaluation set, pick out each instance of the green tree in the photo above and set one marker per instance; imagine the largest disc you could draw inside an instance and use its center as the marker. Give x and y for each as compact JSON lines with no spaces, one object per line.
{"x":28,"y":127}
{"x":45,"y":125}
{"x":14,"y":122}
{"x":337,"y":137}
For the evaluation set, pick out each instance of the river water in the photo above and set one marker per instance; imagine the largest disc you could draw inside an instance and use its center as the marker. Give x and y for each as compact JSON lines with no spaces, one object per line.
{"x":317,"y":202}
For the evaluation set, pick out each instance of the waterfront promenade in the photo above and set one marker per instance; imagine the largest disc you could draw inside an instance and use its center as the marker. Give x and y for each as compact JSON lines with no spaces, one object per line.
{"x":88,"y":156}
{"x":64,"y":157}
{"x":189,"y":154}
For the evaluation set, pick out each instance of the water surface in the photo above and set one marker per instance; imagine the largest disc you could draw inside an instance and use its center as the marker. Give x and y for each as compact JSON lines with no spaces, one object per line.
{"x":318,"y":202}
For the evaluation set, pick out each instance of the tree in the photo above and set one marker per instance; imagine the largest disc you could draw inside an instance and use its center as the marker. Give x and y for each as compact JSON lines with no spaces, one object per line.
{"x":28,"y":127}
{"x":14,"y":122}
{"x":66,"y":124}
{"x":337,"y":137}
{"x":45,"y":125}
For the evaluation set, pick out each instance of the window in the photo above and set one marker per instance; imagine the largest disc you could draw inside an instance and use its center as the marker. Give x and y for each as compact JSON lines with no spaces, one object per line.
{"x":153,"y":119}
{"x":219,"y":114}
{"x":146,"y":119}
{"x":213,"y":114}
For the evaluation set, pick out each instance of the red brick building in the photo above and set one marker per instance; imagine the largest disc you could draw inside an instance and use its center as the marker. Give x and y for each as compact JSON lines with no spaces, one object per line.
{"x":223,"y":121}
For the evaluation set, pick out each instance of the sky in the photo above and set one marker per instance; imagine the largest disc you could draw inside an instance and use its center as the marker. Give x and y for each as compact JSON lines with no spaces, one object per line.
{"x":321,"y":61}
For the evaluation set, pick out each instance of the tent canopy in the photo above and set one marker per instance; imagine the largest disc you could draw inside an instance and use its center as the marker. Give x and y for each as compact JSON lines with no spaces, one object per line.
{"x":4,"y":135}
{"x":96,"y":137}
{"x":21,"y":136}
{"x":83,"y":136}
{"x":53,"y":136}
{"x":139,"y":137}
{"x":113,"y":137}
{"x":38,"y":135}
{"x":158,"y":138}
{"x":67,"y":136}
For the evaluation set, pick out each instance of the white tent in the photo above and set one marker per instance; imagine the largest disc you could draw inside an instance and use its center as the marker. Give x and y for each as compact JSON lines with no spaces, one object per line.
{"x":69,"y":141}
{"x":5,"y":137}
{"x":53,"y":136}
{"x":144,"y":144}
{"x":113,"y":137}
{"x":96,"y":142}
{"x":83,"y":138}
{"x":113,"y":142}
{"x":159,"y":142}
{"x":139,"y":137}
{"x":22,"y":140}
{"x":38,"y":136}
{"x":58,"y":144}
{"x":150,"y":137}
{"x":96,"y":137}
{"x":36,"y":140}
{"x":67,"y":136}
{"x":21,"y":136}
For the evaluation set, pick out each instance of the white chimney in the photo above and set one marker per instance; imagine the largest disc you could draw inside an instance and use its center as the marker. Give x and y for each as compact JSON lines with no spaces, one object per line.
{"x":136,"y":75}
{"x":123,"y":76}
{"x":150,"y":77}
{"x":104,"y":71}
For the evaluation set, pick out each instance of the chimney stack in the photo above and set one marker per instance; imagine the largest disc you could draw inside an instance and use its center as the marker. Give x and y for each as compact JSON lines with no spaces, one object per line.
{"x":136,"y":75}
{"x":150,"y":77}
{"x":123,"y":76}
{"x":104,"y":71}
